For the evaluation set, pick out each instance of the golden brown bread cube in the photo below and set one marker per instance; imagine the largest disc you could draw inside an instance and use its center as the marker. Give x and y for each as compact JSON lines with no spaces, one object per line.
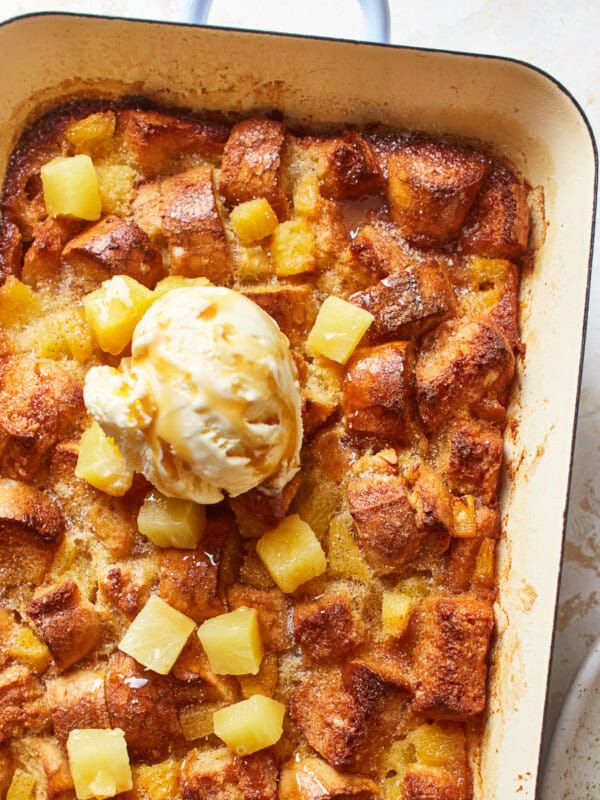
{"x":379,"y":392}
{"x":379,"y":248}
{"x":158,"y":140}
{"x":127,"y":587}
{"x":141,"y":703}
{"x":42,"y":259}
{"x":47,"y":762}
{"x":31,"y":528}
{"x":294,"y":308}
{"x":191,"y":580}
{"x":423,"y":783}
{"x":67,"y":622}
{"x":432,"y":504}
{"x":192,"y":225}
{"x":256,"y":512}
{"x":311,"y":778}
{"x":77,"y":700}
{"x":470,"y":457}
{"x":431,"y":188}
{"x":345,"y":715}
{"x":39,"y":401}
{"x":463,"y":366}
{"x":22,"y":705}
{"x":498,"y":226}
{"x":145,"y":210}
{"x":407,"y":304}
{"x":328,"y":629}
{"x":115,"y":246}
{"x":348,"y":168}
{"x":220,"y":775}
{"x":452,"y":635}
{"x":253,"y":162}
{"x":385,"y":522}
{"x":272,"y":609}
{"x":11,"y":249}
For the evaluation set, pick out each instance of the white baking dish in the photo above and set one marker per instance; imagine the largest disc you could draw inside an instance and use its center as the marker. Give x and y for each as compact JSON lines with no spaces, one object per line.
{"x":524,"y":115}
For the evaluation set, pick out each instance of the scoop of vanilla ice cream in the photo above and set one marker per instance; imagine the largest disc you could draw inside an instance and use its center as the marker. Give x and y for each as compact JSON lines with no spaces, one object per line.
{"x":209,"y":400}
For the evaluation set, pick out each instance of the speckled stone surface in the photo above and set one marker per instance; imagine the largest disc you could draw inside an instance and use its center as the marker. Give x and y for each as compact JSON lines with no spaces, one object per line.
{"x":560,"y":36}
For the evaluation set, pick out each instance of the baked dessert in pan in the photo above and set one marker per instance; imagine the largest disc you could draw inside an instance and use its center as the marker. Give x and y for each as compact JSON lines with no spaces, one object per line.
{"x":359,"y":568}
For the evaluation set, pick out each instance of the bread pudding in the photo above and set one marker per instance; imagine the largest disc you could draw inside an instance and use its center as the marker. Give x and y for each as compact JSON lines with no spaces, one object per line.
{"x":253,"y":384}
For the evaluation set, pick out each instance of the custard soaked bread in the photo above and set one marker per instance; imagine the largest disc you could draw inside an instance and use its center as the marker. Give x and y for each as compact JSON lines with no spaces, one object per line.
{"x":247,"y":533}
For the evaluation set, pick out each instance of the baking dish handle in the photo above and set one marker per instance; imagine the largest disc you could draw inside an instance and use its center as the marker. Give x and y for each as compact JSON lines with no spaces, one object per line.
{"x":376,"y":14}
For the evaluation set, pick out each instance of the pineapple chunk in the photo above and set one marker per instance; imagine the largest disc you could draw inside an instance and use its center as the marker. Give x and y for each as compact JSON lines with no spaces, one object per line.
{"x":156,"y":781}
{"x":463,"y":512}
{"x":438,"y":744}
{"x":29,"y":650}
{"x":307,"y":194}
{"x":253,"y":220}
{"x":100,"y":462}
{"x":170,"y":522}
{"x":99,"y":762}
{"x":338,"y":329}
{"x":18,"y":303}
{"x":292,"y":553}
{"x":176,"y":282}
{"x":116,"y":186}
{"x":197,"y":721}
{"x":157,"y":635}
{"x":114,"y":310}
{"x":293,"y":248}
{"x":483,"y":572}
{"x":22,"y":787}
{"x":250,"y":725}
{"x":71,"y":188}
{"x":252,"y":263}
{"x":396,"y":609}
{"x":93,"y":133}
{"x":344,"y":555}
{"x":232,"y":642}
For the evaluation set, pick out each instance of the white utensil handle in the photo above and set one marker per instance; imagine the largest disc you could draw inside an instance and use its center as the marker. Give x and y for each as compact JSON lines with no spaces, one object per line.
{"x":376,"y":14}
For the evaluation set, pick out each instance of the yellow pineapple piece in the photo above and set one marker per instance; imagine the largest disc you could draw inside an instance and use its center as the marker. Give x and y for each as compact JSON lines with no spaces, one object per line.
{"x":232,"y":642}
{"x":18,"y":303}
{"x":197,"y":721}
{"x":483,"y":572}
{"x":486,"y":272}
{"x":250,"y":725}
{"x":439,"y":744}
{"x":156,"y":781}
{"x":265,"y":681}
{"x":292,"y":553}
{"x":71,"y":188}
{"x":252,"y":263}
{"x":170,"y":522}
{"x":344,"y":555}
{"x":157,"y":635}
{"x":396,"y":609}
{"x":116,"y":183}
{"x":99,"y":762}
{"x":293,"y":248}
{"x":463,"y":512}
{"x":414,"y":587}
{"x":100,"y":462}
{"x":396,"y":761}
{"x":22,"y":787}
{"x":176,"y":282}
{"x":92,"y":134}
{"x":338,"y":329}
{"x":253,"y":220}
{"x":29,"y":650}
{"x":113,"y":311}
{"x":306,"y":194}
{"x":77,"y":333}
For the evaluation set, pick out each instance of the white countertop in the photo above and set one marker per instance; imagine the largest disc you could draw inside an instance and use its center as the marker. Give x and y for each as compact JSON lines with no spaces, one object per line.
{"x":560,"y":36}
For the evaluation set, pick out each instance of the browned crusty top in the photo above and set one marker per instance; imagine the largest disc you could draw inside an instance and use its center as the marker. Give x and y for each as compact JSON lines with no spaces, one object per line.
{"x":401,"y":446}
